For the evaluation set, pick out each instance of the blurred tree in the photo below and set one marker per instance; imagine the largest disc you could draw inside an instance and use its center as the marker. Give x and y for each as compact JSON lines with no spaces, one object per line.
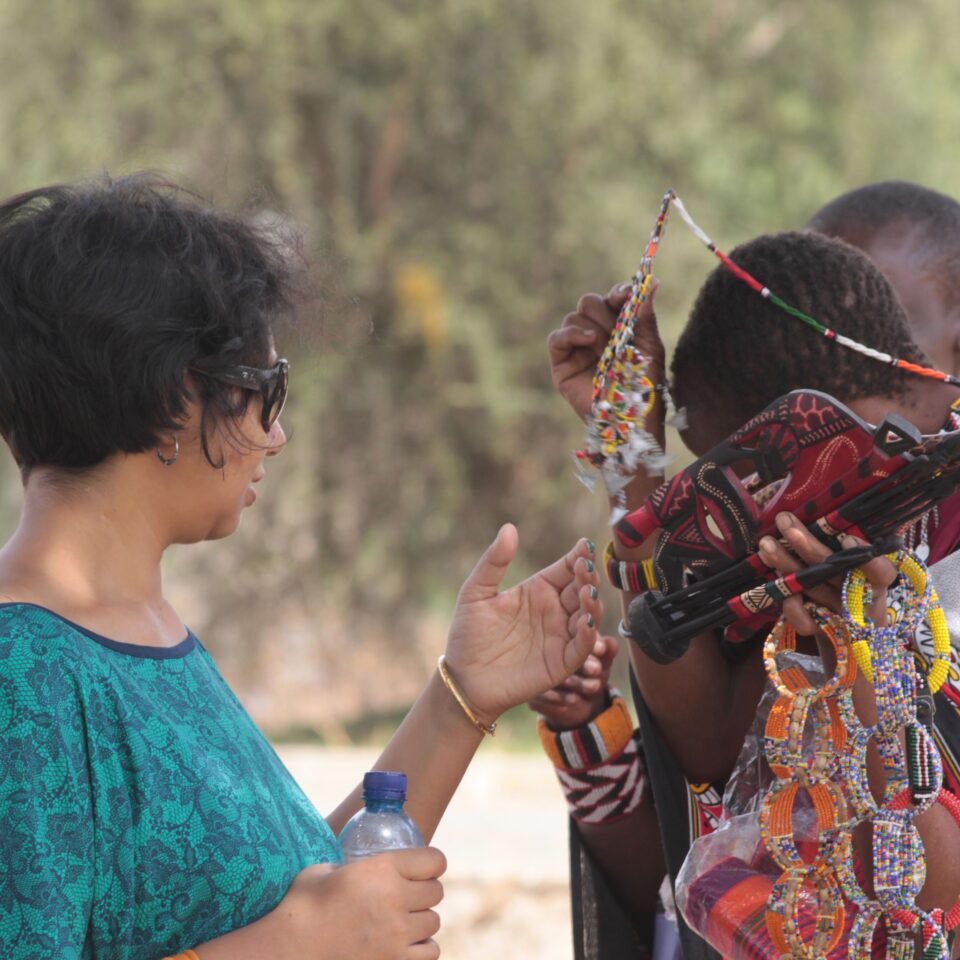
{"x":462,"y":170}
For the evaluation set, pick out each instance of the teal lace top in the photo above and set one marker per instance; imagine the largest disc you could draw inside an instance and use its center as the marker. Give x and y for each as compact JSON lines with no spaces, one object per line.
{"x":141,"y":811}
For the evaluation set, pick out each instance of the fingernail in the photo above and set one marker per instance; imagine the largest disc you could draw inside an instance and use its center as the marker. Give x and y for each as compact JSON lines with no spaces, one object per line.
{"x":624,"y":287}
{"x":591,"y":546}
{"x":589,"y":564}
{"x":587,"y":333}
{"x":591,"y":623}
{"x":784,"y":521}
{"x":594,"y":593}
{"x":768,"y":544}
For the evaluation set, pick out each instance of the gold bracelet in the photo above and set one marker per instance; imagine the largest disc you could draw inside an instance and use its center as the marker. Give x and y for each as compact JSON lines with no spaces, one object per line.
{"x":490,"y":729}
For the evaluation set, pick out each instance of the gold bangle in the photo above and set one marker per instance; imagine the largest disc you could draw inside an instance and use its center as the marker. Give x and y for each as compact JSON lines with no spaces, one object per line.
{"x":490,"y":729}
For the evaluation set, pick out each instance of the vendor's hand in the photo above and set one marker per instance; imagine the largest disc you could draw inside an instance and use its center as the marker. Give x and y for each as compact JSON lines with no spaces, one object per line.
{"x":583,"y":695}
{"x":577,"y":346}
{"x":803,"y":549}
{"x":507,"y":648}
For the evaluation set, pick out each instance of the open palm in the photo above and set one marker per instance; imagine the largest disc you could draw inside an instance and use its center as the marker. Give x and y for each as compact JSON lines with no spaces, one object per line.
{"x":506,"y":648}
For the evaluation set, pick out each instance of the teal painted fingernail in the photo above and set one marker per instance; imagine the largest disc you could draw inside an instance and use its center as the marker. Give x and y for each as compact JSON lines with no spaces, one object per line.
{"x":591,"y":623}
{"x":591,"y":546}
{"x":589,"y":566}
{"x":594,"y":593}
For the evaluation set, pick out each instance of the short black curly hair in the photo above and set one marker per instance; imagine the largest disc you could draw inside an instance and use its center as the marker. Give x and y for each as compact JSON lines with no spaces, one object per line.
{"x":110,"y":292}
{"x":860,"y":214}
{"x":739,"y":352}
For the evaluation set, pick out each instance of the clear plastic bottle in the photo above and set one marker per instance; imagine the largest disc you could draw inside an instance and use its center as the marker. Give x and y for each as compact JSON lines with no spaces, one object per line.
{"x":382,"y":824}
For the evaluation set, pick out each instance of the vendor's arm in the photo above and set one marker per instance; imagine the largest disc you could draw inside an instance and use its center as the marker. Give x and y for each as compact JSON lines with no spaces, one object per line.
{"x":626,"y":849}
{"x":703,"y":703}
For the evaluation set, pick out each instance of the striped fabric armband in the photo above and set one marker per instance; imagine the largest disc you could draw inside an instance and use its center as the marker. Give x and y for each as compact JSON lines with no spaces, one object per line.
{"x":634,"y":575}
{"x":609,"y":792}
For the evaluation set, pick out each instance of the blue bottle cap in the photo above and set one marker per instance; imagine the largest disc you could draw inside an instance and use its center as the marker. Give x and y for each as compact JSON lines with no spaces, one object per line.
{"x":384,"y":785}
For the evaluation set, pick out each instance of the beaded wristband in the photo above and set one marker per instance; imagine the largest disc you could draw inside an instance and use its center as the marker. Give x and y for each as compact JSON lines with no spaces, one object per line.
{"x":637,"y":576}
{"x":599,"y":764}
{"x":606,"y":736}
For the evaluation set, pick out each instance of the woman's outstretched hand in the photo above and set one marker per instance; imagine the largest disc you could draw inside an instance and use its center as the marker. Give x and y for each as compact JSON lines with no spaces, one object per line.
{"x":507,"y":648}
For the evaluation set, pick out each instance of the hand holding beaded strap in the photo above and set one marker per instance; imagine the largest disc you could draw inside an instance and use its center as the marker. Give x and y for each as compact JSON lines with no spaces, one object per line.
{"x":623,"y":393}
{"x":599,"y":765}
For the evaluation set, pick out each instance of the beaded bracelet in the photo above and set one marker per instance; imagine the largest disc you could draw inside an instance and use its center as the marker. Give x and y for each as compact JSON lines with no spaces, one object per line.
{"x":637,"y":576}
{"x":782,"y":915}
{"x":783,"y":638}
{"x":606,"y":736}
{"x":803,"y":733}
{"x":922,"y":601}
{"x":599,"y":765}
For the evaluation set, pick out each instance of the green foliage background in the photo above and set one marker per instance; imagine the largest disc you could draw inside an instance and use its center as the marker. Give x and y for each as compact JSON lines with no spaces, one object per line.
{"x":462,"y":171}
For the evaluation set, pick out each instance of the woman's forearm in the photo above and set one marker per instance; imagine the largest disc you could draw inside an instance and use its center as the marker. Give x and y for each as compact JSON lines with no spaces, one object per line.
{"x":433,"y":747}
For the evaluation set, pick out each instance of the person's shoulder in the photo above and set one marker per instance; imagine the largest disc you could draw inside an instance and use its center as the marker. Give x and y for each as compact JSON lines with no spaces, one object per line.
{"x":30,"y":634}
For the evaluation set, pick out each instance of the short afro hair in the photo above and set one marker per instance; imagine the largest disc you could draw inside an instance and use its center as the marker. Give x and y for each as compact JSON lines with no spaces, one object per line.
{"x":110,"y":292}
{"x":739,"y":352}
{"x":859,"y":215}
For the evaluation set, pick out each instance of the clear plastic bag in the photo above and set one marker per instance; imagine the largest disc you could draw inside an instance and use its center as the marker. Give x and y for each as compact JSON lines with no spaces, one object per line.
{"x":725,"y":882}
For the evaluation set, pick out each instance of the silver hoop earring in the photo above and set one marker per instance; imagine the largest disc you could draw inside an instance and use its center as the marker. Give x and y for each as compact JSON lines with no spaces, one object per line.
{"x":170,"y":461}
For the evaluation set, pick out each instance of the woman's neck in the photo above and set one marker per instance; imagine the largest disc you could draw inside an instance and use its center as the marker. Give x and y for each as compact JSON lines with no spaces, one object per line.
{"x":87,"y":545}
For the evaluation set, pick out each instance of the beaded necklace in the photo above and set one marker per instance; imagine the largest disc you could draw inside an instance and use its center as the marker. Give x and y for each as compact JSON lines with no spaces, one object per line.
{"x":912,"y":769}
{"x":623,"y":393}
{"x":816,"y":746}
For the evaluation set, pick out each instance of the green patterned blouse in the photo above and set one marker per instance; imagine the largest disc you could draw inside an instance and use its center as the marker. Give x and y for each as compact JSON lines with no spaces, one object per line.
{"x":141,"y":811}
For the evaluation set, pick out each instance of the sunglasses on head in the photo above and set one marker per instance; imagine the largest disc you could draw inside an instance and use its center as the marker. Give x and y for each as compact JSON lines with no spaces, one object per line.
{"x":271,"y":384}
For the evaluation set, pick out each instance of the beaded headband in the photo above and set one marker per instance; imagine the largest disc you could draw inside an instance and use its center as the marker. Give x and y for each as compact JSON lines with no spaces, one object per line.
{"x":623,"y":394}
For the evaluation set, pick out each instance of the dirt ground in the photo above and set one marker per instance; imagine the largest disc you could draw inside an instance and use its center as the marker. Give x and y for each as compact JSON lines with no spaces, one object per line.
{"x":504,"y":836}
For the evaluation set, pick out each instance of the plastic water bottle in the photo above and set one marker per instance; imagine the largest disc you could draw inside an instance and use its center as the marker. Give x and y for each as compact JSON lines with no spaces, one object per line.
{"x":382,"y":824}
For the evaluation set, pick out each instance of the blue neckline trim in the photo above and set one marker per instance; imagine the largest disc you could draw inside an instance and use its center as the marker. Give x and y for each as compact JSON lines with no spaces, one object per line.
{"x":185,"y":646}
